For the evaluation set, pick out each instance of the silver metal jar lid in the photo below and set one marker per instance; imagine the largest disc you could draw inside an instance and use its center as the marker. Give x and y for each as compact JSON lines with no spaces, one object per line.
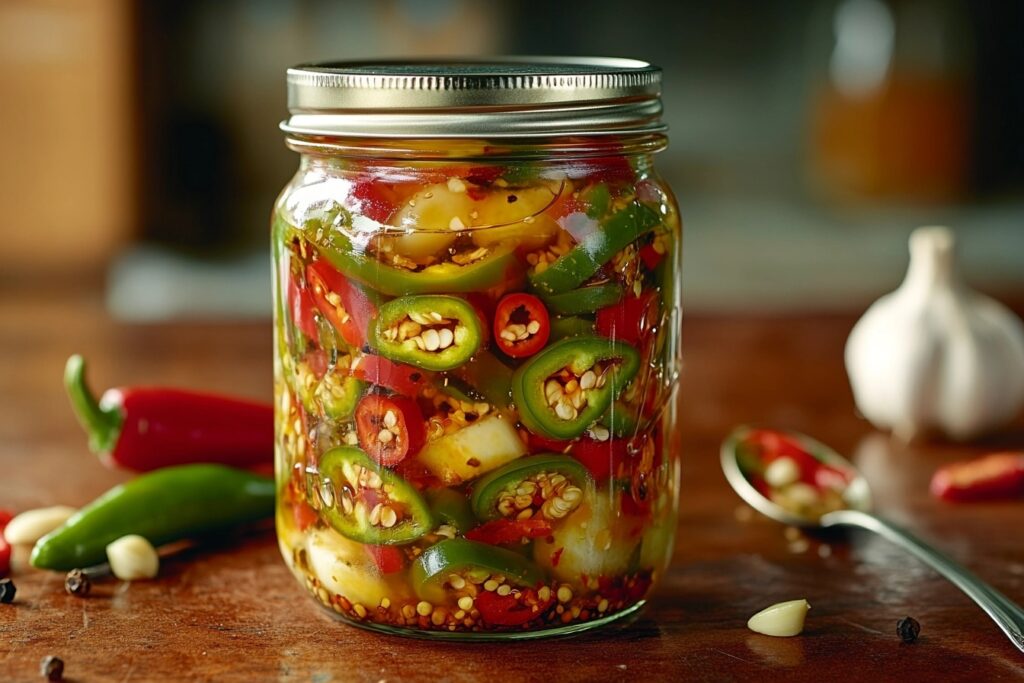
{"x":495,"y":97}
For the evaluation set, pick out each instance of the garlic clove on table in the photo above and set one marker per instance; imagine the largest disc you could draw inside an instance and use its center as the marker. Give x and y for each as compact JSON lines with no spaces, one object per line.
{"x":935,"y":355}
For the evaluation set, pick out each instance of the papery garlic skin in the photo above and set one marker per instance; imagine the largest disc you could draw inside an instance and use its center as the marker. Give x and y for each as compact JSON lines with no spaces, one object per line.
{"x":935,"y":355}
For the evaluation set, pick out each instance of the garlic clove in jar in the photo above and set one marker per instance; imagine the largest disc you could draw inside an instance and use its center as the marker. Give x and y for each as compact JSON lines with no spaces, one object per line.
{"x":935,"y":355}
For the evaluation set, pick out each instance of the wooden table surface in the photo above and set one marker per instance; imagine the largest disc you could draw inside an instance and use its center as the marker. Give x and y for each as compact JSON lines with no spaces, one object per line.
{"x":237,"y":614}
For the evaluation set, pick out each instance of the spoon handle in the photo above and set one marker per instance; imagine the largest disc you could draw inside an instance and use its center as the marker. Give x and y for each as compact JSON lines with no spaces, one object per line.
{"x":1007,"y":614}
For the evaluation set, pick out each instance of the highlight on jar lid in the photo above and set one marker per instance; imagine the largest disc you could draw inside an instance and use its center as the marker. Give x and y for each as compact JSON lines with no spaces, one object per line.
{"x":499,"y":97}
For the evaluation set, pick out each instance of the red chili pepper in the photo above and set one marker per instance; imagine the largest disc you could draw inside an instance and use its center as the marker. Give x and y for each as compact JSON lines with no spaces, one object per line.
{"x":484,"y":307}
{"x":542,"y":444}
{"x":144,"y":429}
{"x":388,"y":558}
{"x":302,"y":308}
{"x":508,"y":610}
{"x":521,"y":309}
{"x":374,"y":200}
{"x":403,"y":379}
{"x":479,"y":174}
{"x":610,"y":169}
{"x":999,"y":475}
{"x":303,"y":515}
{"x":506,"y":531}
{"x":631,"y":320}
{"x":621,"y":589}
{"x":396,"y":416}
{"x":352,"y":315}
{"x":650,"y":256}
{"x":5,"y":548}
{"x":773,"y":445}
{"x":604,"y":459}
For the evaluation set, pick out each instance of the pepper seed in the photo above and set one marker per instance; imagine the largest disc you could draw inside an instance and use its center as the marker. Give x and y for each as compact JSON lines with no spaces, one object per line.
{"x":908,"y":629}
{"x":52,"y":668}
{"x":7,"y":591}
{"x":77,"y":583}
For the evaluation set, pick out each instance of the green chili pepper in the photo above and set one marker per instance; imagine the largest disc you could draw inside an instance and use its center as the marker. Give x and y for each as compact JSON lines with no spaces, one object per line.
{"x":499,"y":265}
{"x":611,"y":365}
{"x":570,"y":326}
{"x":163,"y":506}
{"x":460,"y":556}
{"x":585,"y":299}
{"x":459,"y":390}
{"x":597,"y":199}
{"x":451,"y":507}
{"x":429,"y":331}
{"x":487,"y":492}
{"x":489,"y":376}
{"x":339,"y":393}
{"x":621,"y":419}
{"x":594,"y":250}
{"x":350,"y":488}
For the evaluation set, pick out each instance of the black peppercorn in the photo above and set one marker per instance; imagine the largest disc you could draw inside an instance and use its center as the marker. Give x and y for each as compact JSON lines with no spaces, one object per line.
{"x":77,"y":583}
{"x":908,"y":629}
{"x":52,"y":668}
{"x":7,"y":591}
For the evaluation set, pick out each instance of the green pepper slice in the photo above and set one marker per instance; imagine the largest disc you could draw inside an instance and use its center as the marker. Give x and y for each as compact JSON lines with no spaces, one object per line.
{"x":591,"y":371}
{"x":498,"y":494}
{"x":570,"y":326}
{"x":498,"y":265}
{"x":621,"y":419}
{"x":339,"y":394}
{"x":579,"y":265}
{"x":489,"y":376}
{"x":457,"y":556}
{"x":451,"y":507}
{"x":584,"y":299}
{"x":430,"y":331}
{"x":368,"y":503}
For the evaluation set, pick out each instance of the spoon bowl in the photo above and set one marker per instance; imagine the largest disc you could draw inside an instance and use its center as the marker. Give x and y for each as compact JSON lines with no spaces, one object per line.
{"x":856,"y":495}
{"x":856,"y":511}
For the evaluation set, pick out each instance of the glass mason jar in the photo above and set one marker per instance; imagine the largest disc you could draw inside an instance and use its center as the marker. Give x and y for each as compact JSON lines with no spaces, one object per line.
{"x":477,"y":344}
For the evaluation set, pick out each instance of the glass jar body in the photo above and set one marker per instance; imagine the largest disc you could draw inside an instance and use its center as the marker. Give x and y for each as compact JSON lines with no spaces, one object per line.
{"x":476,"y":360}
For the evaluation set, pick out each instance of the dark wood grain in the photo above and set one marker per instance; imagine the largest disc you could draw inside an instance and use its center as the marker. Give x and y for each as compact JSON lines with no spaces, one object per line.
{"x":236,"y":613}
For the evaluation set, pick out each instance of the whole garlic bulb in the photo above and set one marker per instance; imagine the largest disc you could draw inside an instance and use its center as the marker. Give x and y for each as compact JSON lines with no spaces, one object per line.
{"x":935,"y":355}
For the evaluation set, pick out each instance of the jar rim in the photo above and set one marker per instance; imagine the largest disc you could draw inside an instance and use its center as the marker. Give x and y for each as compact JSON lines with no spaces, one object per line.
{"x":494,"y":97}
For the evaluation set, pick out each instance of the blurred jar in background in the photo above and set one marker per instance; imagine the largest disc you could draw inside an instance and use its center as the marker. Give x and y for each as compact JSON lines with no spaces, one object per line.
{"x":891,"y":117}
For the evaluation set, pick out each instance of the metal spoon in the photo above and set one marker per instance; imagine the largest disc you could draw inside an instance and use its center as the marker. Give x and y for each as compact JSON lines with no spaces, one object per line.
{"x":857,"y":513}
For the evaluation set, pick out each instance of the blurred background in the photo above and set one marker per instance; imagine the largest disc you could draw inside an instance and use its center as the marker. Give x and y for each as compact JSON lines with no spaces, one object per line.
{"x":141,"y":154}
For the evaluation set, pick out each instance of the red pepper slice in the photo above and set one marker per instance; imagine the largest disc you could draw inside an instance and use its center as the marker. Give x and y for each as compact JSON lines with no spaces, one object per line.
{"x":610,"y":169}
{"x":995,"y":476}
{"x":538,"y":443}
{"x":388,"y":558}
{"x":484,"y":307}
{"x":506,"y":531}
{"x":508,"y":610}
{"x":631,"y":320}
{"x":403,"y":379}
{"x":521,"y":309}
{"x":353,"y":313}
{"x":397,"y":417}
{"x":374,"y":200}
{"x":302,"y":308}
{"x":773,"y":445}
{"x":650,"y":256}
{"x":604,"y":459}
{"x":303,"y":515}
